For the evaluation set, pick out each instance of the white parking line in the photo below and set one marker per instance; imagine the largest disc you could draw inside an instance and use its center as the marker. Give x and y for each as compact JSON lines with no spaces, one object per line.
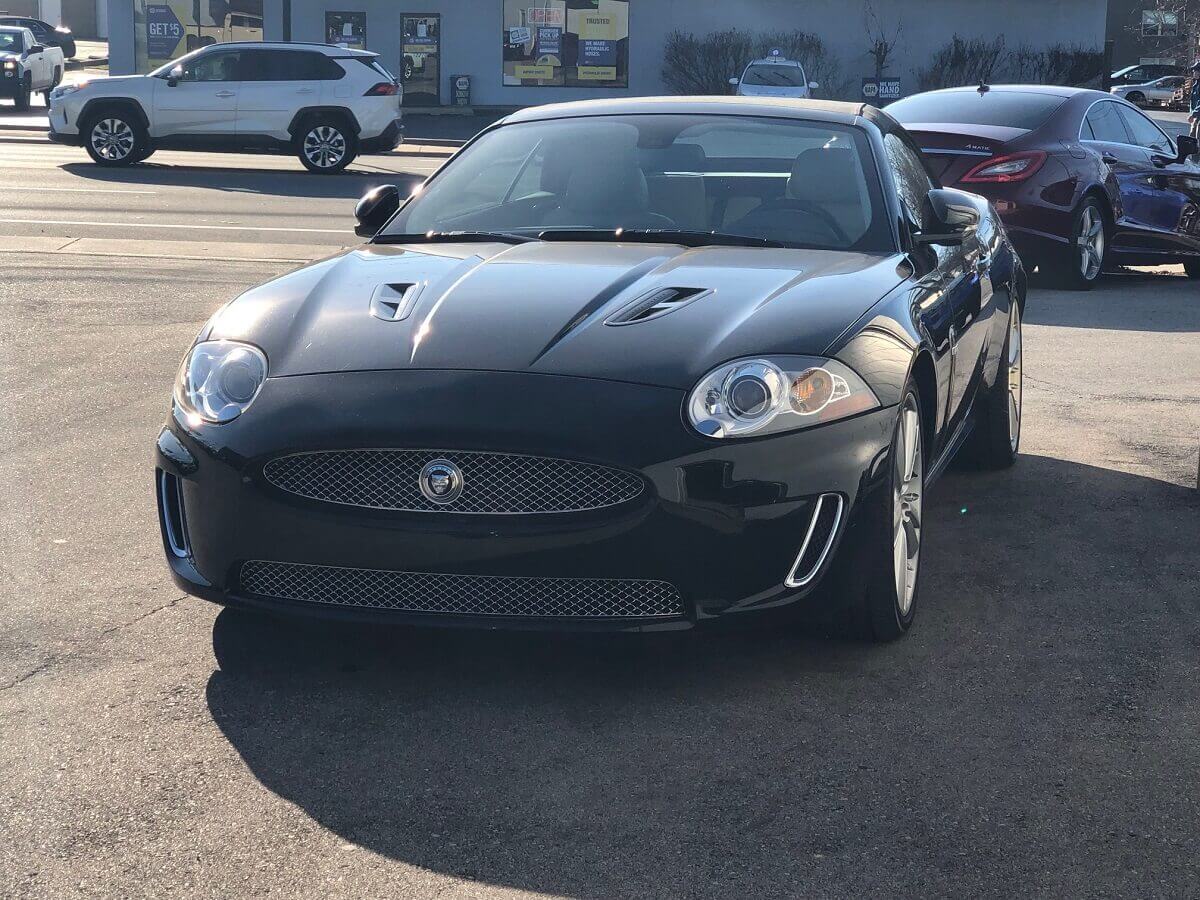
{"x":17,"y":187}
{"x":167,"y":225}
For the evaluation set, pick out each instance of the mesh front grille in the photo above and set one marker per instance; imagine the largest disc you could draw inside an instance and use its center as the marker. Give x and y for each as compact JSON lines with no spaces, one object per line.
{"x":492,"y":483}
{"x":477,"y":595}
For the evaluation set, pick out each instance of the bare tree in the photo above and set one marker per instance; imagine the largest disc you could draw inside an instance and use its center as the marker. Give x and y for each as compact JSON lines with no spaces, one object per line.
{"x":881,"y":40}
{"x":1174,"y":25}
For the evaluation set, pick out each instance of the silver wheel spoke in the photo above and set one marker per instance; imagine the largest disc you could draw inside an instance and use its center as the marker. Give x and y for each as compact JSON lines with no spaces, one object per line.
{"x":1015,"y":376}
{"x":908,"y":472}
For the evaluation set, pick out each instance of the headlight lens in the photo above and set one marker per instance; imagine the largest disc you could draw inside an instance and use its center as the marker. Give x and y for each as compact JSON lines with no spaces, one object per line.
{"x":762,"y":396}
{"x":219,"y":380}
{"x":9,"y":64}
{"x":63,"y":89}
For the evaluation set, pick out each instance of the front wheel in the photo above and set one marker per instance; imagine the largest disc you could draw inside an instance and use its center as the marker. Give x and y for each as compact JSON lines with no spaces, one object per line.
{"x":21,"y":97}
{"x":877,"y":576}
{"x":1078,"y":266}
{"x":997,"y":435}
{"x":326,"y":146}
{"x":112,"y":139}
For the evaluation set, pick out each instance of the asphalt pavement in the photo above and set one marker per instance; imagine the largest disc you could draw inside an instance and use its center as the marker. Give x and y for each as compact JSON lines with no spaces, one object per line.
{"x":1035,"y":735}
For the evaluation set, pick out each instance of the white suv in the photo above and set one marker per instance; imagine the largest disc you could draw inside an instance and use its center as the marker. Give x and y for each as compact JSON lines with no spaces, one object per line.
{"x":325,"y":104}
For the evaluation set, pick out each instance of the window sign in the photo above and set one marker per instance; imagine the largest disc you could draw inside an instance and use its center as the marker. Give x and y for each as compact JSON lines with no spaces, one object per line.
{"x":164,"y":32}
{"x":346,"y":29}
{"x":167,"y":29}
{"x":566,"y":43}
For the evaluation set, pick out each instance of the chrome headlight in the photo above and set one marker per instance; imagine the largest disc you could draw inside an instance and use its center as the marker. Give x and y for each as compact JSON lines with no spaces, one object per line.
{"x":219,"y":380}
{"x":63,"y":89}
{"x":752,"y":397}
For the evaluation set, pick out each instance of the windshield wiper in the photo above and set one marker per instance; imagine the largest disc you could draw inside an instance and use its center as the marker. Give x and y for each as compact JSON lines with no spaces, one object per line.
{"x":455,"y":237}
{"x":658,"y":236}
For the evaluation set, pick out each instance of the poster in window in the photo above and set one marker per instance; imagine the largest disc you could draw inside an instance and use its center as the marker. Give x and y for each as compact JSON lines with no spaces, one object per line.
{"x":566,"y":43}
{"x":346,"y":29}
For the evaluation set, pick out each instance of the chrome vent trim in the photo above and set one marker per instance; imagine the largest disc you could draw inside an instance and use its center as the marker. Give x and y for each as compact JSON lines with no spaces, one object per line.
{"x":393,"y":302}
{"x":170,"y":501}
{"x":492,"y":483}
{"x":655,"y":305}
{"x":473,"y":595}
{"x":797,"y":578}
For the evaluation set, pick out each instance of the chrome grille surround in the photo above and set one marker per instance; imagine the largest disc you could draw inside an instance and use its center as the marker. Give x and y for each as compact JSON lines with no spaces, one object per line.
{"x":474,"y":595}
{"x":493,"y":483}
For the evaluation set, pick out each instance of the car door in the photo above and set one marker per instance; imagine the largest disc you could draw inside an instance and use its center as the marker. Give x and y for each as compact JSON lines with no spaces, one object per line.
{"x":1168,"y":191}
{"x":1105,"y":132}
{"x":35,"y":63}
{"x":275,"y":85}
{"x":201,"y":102}
{"x":959,"y":318}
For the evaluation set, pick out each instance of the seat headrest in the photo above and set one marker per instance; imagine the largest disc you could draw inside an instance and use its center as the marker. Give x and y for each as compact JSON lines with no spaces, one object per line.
{"x":676,"y":158}
{"x":826,"y":174}
{"x":611,"y":182}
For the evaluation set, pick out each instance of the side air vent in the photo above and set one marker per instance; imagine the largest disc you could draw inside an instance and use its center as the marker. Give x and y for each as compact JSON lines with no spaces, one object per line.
{"x":822,"y":529}
{"x":655,"y":305}
{"x":170,"y":508}
{"x":393,"y":302}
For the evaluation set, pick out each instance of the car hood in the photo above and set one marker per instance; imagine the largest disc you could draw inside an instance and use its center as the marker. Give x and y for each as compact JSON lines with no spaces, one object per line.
{"x":106,"y":82}
{"x":543,"y":307}
{"x":7,"y":56}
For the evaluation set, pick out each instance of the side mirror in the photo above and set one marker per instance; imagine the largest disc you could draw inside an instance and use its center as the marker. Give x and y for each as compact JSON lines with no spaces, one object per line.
{"x":375,"y":208}
{"x":37,"y":48}
{"x":174,"y":76}
{"x":1187,"y":147}
{"x":953,"y":216}
{"x":813,"y":85}
{"x":735,"y":81}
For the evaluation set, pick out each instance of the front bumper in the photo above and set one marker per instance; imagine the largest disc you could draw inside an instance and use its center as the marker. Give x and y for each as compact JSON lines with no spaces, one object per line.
{"x":720,"y":522}
{"x":10,"y":81}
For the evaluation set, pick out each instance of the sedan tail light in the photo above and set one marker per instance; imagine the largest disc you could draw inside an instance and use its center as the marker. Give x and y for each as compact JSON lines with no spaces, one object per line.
{"x":383,"y":89}
{"x":1006,"y":169}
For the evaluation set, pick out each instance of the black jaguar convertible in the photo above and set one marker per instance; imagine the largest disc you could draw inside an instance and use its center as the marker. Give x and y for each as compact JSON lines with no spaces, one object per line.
{"x":635,"y":364}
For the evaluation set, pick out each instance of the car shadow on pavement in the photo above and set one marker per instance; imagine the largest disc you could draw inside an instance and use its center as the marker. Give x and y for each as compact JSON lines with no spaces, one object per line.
{"x":1128,"y":300}
{"x":349,"y":185}
{"x":773,"y":762}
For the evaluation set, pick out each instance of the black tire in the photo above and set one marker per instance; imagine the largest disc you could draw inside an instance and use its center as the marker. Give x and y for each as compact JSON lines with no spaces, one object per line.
{"x":325,"y":145}
{"x":112,"y":137}
{"x":996,"y":440}
{"x":1192,"y":267}
{"x":68,"y":48}
{"x":1137,"y":98}
{"x":21,"y":97}
{"x":865,"y":580}
{"x":1066,"y":268}
{"x":143,"y":154}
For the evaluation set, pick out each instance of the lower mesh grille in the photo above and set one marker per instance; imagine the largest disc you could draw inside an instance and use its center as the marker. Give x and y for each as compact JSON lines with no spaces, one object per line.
{"x":476,"y":595}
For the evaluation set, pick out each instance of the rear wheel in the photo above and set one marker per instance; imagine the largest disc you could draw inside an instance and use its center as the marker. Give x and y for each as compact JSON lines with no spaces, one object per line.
{"x":326,"y":145}
{"x":1137,"y":98}
{"x":877,"y":576}
{"x":113,"y":138}
{"x":1078,"y":266}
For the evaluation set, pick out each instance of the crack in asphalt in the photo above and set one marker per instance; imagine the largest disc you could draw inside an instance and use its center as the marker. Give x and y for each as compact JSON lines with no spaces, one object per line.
{"x":51,"y":661}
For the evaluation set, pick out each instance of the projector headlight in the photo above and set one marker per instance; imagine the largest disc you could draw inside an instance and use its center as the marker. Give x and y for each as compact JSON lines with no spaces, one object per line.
{"x":219,"y":380}
{"x":753,"y":397}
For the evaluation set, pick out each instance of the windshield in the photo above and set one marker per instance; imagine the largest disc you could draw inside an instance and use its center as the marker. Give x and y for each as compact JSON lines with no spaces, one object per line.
{"x":767,"y":75}
{"x":793,"y":182}
{"x":11,"y":42}
{"x":164,"y":70}
{"x":1015,"y":109}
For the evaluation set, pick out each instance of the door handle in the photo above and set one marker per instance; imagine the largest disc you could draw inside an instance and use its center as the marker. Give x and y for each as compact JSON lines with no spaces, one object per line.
{"x":225,"y":94}
{"x":305,"y":91}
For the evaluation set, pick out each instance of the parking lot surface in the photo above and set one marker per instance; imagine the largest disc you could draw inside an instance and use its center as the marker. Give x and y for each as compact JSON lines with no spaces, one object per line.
{"x":1036,"y":734}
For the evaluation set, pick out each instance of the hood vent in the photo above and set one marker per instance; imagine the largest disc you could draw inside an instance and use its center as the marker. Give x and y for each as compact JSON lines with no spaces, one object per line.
{"x":393,"y":302}
{"x":656,"y":304}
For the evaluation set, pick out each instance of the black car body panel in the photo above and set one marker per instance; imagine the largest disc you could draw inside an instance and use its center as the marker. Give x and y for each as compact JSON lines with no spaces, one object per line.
{"x":509,"y":349}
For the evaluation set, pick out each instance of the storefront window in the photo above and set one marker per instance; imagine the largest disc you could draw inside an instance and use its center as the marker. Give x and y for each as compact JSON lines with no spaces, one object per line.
{"x":566,"y":43}
{"x":346,"y":29}
{"x":167,"y":29}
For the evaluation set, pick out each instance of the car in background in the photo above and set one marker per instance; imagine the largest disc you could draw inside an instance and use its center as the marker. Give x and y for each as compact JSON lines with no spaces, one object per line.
{"x":638,"y":364}
{"x":47,"y":35}
{"x":325,"y":104}
{"x":1082,"y":179}
{"x":1142,"y":74}
{"x":774,"y":76}
{"x":1155,"y":93}
{"x":27,"y":67}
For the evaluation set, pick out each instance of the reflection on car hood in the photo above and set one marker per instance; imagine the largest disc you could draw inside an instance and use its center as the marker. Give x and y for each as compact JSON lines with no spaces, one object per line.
{"x":541,"y":307}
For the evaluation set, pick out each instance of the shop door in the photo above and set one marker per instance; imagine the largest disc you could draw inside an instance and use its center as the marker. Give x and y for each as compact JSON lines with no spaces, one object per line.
{"x":420,"y":59}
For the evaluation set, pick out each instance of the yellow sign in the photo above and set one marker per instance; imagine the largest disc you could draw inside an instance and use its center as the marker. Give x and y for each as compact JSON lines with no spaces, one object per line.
{"x":531,"y":73}
{"x":597,"y":73}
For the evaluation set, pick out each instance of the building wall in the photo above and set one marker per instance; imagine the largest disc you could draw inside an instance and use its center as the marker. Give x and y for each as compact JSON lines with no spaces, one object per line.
{"x":472,"y":39}
{"x":1130,"y":46}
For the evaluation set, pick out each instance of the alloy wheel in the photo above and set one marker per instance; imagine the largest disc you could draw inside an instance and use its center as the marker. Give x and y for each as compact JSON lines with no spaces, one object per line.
{"x":1015,"y":379}
{"x":324,"y":146}
{"x":112,"y":139}
{"x":1090,"y":242}
{"x":908,"y":486}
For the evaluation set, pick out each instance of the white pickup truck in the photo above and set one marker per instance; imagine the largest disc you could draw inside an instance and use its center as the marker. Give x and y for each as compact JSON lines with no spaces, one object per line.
{"x":27,"y":66}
